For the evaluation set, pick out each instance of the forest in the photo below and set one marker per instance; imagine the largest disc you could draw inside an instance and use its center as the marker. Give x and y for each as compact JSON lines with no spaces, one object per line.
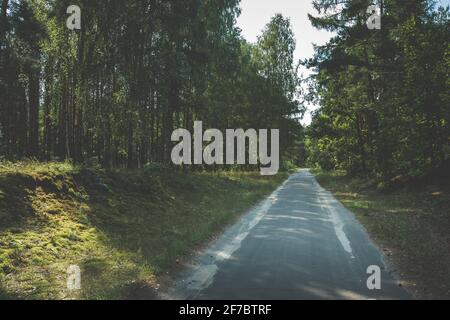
{"x":87,"y":118}
{"x":113,"y":92}
{"x":384,"y":95}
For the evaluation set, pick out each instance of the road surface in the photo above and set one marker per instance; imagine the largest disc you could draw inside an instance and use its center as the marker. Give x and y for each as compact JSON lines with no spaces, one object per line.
{"x":300,"y":243}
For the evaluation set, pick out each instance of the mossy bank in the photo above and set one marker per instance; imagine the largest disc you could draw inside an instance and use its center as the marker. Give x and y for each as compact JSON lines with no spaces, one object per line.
{"x":123,"y":228}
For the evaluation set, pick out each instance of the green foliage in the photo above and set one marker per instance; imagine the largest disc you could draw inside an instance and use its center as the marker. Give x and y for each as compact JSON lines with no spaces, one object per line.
{"x":124,"y":228}
{"x":156,"y":167}
{"x":384,"y":94}
{"x":114,"y":91}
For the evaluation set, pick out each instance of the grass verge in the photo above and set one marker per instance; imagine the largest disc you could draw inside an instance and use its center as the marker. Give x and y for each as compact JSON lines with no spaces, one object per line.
{"x":124,"y":229}
{"x":411,"y":225}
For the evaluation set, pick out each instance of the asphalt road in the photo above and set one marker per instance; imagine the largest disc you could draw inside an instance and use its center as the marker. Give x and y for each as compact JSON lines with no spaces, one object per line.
{"x":300,"y":243}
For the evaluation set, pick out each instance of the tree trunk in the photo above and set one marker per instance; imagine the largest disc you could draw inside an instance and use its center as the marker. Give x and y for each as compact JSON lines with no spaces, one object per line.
{"x":33,"y":95}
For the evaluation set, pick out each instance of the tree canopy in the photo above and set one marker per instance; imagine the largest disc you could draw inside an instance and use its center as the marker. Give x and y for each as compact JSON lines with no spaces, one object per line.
{"x":115,"y":90}
{"x":384,"y":94}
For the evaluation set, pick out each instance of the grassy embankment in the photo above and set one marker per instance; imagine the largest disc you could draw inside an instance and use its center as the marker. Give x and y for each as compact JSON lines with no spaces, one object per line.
{"x":124,"y":229}
{"x":411,"y":224}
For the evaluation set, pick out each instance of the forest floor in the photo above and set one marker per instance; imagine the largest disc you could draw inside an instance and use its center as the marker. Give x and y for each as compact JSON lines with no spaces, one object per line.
{"x":411,"y":224}
{"x":124,"y":229}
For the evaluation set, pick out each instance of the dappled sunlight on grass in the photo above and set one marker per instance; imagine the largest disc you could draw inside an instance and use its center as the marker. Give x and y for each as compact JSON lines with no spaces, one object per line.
{"x":123,"y":228}
{"x":35,"y":167}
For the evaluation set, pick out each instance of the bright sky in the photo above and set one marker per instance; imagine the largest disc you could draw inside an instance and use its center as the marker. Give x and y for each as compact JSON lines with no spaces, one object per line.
{"x":257,"y":13}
